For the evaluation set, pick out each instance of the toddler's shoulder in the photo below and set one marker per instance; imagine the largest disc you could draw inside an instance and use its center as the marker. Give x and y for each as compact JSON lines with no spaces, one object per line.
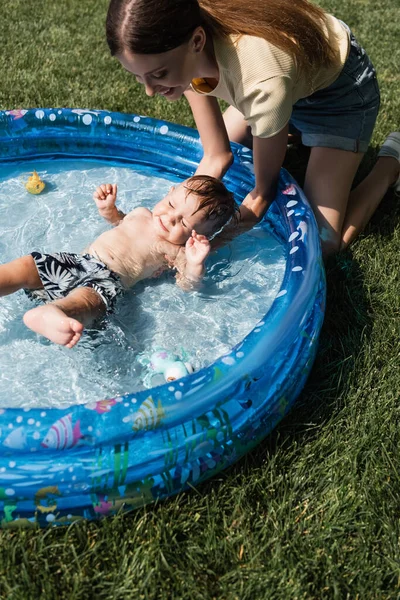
{"x":138,"y":212}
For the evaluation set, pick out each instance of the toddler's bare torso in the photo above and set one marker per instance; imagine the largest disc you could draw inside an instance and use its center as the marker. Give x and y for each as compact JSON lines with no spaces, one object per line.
{"x":133,"y":250}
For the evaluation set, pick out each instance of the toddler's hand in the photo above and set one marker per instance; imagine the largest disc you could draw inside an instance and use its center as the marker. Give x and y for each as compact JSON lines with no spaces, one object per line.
{"x":197,"y":249}
{"x":105,"y":196}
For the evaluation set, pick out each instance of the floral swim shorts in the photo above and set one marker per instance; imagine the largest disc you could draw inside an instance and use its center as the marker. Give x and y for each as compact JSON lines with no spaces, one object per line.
{"x":63,"y":272}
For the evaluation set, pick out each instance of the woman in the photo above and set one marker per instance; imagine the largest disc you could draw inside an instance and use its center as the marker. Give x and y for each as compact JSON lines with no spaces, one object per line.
{"x":277,"y":63}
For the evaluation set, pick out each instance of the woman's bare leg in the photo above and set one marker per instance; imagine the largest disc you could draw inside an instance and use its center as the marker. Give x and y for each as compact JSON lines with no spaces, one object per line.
{"x":342,"y":214}
{"x":240,"y":132}
{"x":63,"y":321}
{"x":366,"y":197}
{"x":329,"y":176}
{"x":18,"y":274}
{"x":237,"y":128}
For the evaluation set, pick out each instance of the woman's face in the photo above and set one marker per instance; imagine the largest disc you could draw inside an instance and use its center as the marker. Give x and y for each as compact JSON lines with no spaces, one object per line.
{"x":169,"y":73}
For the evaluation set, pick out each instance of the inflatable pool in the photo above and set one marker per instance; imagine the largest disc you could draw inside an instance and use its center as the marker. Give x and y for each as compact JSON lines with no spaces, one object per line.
{"x":91,"y":460}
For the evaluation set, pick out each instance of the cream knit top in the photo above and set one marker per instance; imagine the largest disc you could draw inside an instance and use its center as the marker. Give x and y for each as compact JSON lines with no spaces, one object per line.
{"x":263,"y":82}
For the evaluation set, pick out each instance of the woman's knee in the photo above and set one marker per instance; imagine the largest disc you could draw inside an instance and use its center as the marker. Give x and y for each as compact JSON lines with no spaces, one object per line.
{"x":237,"y":127}
{"x":331,"y":242}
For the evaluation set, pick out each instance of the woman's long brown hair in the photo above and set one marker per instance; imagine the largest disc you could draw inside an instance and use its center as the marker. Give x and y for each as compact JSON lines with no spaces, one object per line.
{"x":156,"y":26}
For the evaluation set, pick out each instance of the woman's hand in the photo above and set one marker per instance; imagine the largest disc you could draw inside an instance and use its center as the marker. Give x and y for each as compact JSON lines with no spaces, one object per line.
{"x":254,"y":207}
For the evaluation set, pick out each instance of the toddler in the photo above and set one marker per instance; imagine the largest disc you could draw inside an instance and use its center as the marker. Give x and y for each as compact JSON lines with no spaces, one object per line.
{"x":79,"y":288}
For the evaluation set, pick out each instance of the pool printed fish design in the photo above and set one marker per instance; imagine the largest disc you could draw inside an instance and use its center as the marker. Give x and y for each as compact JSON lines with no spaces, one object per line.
{"x":16,"y":440}
{"x":62,"y":434}
{"x":103,"y":406}
{"x":290,"y":190}
{"x":149,"y":415}
{"x":17,"y":113}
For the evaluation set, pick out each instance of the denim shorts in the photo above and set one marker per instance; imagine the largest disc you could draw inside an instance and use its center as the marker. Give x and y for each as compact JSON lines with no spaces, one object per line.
{"x":343,"y":114}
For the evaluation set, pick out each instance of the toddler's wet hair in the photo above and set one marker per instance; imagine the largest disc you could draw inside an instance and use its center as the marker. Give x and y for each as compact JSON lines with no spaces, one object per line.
{"x":214,"y":198}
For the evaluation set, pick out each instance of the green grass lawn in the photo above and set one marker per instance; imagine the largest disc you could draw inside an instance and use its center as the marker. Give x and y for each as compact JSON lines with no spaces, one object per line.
{"x":314,"y":511}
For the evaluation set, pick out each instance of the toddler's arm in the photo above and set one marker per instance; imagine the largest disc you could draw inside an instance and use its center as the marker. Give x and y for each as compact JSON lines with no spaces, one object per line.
{"x":105,"y":197}
{"x":191,"y":266}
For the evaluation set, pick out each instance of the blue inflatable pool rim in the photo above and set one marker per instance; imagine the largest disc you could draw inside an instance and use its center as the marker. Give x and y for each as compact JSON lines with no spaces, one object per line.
{"x":59,"y":466}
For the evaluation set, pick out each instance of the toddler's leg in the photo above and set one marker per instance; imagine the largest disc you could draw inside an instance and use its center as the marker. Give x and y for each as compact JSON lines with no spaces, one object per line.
{"x":62,"y":321}
{"x":17,"y":274}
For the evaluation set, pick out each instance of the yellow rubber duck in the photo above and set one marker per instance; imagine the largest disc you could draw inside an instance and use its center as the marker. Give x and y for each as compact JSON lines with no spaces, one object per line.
{"x":35,"y":185}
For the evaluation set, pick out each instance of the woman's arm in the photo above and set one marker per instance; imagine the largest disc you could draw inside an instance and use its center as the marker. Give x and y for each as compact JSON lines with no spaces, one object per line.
{"x":268,"y":156}
{"x":217,"y":156}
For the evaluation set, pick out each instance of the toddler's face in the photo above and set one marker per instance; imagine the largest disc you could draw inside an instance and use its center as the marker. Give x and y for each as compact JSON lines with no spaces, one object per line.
{"x":175,"y":216}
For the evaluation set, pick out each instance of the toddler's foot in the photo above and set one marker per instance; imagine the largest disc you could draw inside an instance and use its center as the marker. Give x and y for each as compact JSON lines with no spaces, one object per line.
{"x":54,"y":324}
{"x":391,"y":148}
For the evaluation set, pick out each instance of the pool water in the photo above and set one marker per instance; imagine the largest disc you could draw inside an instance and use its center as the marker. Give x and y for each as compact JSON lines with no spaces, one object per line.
{"x":241,"y":282}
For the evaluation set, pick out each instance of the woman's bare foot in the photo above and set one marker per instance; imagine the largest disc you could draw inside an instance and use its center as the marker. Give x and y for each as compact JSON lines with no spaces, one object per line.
{"x":54,"y":324}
